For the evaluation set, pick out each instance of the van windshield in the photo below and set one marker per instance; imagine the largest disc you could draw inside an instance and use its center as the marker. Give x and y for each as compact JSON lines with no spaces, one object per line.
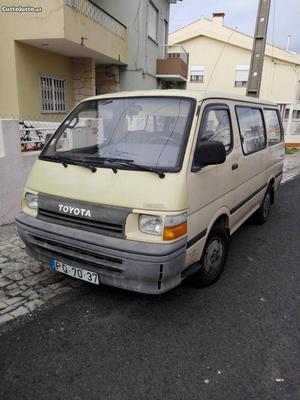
{"x":148,"y":131}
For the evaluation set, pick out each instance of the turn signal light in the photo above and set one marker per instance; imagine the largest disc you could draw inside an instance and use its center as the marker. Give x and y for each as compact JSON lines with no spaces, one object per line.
{"x":174,"y":232}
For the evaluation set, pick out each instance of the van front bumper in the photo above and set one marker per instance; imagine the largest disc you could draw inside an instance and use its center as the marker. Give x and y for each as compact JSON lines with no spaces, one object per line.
{"x":127,"y":264}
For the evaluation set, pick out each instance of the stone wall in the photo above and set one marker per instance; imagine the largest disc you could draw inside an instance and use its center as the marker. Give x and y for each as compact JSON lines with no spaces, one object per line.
{"x":84,"y":78}
{"x":89,"y":80}
{"x":107,"y":79}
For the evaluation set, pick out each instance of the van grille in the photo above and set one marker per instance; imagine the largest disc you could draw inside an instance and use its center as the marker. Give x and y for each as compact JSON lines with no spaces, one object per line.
{"x":87,"y":257}
{"x":106,"y":228}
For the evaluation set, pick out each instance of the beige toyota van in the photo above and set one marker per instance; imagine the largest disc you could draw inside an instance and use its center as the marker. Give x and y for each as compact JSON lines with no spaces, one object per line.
{"x":142,"y":190}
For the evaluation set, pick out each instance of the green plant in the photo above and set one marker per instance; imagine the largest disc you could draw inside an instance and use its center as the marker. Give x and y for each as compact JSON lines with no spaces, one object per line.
{"x":291,"y":150}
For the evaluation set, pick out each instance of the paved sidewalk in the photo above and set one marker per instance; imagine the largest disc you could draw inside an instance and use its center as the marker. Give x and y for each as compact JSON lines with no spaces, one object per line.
{"x":25,"y":284}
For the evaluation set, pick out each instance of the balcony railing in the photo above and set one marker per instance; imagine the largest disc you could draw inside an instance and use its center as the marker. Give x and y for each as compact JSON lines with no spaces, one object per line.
{"x":172,"y":64}
{"x":99,"y":16}
{"x":166,"y":51}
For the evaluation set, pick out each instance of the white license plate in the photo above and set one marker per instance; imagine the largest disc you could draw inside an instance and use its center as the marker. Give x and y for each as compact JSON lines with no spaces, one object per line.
{"x":75,"y":272}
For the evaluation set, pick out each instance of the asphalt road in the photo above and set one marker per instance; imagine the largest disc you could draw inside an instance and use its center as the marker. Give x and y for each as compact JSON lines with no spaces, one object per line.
{"x":236,"y":340}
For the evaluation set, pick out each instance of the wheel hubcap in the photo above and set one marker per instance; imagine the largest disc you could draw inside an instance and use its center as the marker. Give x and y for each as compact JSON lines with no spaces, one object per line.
{"x":213,"y":256}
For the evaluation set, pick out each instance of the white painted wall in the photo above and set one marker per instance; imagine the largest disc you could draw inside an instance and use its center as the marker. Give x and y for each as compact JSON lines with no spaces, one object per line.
{"x":14,"y":170}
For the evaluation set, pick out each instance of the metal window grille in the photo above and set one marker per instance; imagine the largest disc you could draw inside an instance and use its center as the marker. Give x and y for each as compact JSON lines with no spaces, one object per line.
{"x":53,"y":94}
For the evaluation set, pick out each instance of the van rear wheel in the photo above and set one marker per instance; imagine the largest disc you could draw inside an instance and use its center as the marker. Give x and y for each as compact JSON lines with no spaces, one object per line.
{"x":262,"y":214}
{"x":213,"y":257}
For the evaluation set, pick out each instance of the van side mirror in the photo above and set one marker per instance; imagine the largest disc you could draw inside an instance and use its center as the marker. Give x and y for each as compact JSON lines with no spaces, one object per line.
{"x":209,"y":153}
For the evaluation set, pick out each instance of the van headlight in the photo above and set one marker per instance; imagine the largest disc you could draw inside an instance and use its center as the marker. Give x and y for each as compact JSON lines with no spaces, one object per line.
{"x":31,"y":201}
{"x":150,"y":224}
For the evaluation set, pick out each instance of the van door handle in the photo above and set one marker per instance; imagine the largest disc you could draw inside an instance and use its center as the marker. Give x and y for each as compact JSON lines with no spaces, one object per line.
{"x":234,"y":166}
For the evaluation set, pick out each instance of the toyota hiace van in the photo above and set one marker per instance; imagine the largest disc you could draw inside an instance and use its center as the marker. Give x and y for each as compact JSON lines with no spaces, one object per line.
{"x":142,"y":190}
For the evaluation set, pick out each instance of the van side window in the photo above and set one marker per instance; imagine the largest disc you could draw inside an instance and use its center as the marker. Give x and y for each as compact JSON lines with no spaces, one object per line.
{"x":252,"y":130}
{"x":216,"y":125}
{"x":273,"y":128}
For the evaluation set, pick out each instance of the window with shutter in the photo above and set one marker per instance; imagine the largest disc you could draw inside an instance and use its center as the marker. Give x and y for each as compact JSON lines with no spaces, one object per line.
{"x":197,"y":73}
{"x":241,"y":75}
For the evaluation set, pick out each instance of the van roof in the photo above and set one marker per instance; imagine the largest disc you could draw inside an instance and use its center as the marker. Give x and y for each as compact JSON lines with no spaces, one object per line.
{"x":199,"y":95}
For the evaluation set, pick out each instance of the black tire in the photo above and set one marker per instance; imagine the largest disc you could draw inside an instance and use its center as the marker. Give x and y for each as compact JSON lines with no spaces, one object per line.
{"x":211,"y":269}
{"x":262,"y":214}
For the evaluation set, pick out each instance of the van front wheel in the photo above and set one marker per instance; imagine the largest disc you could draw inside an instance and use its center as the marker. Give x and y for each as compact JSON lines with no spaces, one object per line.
{"x":213,"y":257}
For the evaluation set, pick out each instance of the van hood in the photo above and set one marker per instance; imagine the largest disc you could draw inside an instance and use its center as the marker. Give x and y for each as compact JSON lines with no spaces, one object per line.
{"x":126,"y":188}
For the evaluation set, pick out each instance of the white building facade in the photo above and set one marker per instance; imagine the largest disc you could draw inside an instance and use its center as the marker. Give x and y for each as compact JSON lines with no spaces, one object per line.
{"x":219,"y":59}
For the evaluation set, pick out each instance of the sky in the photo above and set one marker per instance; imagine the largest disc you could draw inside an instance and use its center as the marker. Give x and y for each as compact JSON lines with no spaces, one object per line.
{"x":284,"y":17}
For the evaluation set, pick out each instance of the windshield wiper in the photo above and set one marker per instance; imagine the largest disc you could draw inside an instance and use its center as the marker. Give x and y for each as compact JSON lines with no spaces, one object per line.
{"x":110,"y":161}
{"x":66,"y":161}
{"x":131,"y":163}
{"x":102,"y":160}
{"x":125,"y":162}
